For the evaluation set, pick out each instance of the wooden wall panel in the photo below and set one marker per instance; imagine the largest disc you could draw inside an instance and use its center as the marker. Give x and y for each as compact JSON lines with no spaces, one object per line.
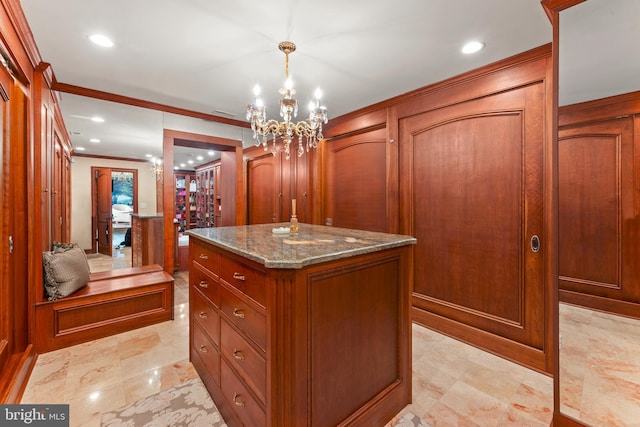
{"x":263,"y":189}
{"x":475,"y":189}
{"x":598,"y":222}
{"x":468,"y":169}
{"x":468,"y":205}
{"x":356,"y":181}
{"x":273,"y":181}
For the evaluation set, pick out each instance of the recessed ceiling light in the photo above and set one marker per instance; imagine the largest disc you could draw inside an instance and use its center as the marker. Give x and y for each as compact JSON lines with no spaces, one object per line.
{"x":472,"y":47}
{"x":148,"y":155}
{"x":101,"y":40}
{"x":199,"y":158}
{"x":175,"y":168}
{"x":80,"y":148}
{"x":97,"y":119}
{"x":182,"y":165}
{"x":211,"y":152}
{"x":96,"y":140}
{"x":190,"y":162}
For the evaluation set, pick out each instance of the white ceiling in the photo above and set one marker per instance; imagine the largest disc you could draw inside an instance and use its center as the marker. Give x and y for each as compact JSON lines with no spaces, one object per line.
{"x":599,"y":50}
{"x":206,"y":55}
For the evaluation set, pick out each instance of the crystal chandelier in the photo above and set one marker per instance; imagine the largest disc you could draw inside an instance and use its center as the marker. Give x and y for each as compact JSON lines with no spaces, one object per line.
{"x":308,"y":132}
{"x":156,"y":168}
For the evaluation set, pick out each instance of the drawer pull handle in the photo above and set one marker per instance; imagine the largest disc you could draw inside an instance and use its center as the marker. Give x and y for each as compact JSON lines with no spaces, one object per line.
{"x":203,"y":349}
{"x":203,"y":284}
{"x":238,"y":313}
{"x":202,"y":315}
{"x":203,"y":256}
{"x":237,"y":354}
{"x":238,"y":276}
{"x":236,"y":401}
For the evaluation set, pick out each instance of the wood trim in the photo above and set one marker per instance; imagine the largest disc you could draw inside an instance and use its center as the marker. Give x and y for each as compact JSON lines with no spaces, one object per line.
{"x":502,"y":347}
{"x":551,"y":6}
{"x":600,"y":109}
{"x":74,"y":154}
{"x":606,"y":305}
{"x":561,"y":420}
{"x":551,"y":213}
{"x":186,"y":139}
{"x":24,"y":53}
{"x":349,"y":124}
{"x":107,"y":96}
{"x":13,"y":389}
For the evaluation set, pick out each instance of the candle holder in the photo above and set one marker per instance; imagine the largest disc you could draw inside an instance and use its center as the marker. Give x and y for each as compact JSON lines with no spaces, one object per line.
{"x":293,"y":223}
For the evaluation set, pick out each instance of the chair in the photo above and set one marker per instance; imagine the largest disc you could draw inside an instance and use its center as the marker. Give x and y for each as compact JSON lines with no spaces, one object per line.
{"x":121,"y":214}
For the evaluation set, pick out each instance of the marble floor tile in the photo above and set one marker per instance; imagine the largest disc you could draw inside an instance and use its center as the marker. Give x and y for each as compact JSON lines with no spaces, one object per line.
{"x":599,"y":367}
{"x":454,"y":384}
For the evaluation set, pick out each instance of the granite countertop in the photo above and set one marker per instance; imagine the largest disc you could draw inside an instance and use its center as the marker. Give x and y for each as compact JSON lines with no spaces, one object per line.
{"x":312,"y":245}
{"x":151,"y":215}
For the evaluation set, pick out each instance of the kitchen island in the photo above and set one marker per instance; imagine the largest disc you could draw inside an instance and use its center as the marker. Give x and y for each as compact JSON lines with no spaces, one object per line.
{"x":306,"y":329}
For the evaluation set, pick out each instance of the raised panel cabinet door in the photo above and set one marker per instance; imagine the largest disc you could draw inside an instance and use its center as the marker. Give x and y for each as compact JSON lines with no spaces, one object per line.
{"x":356,"y":182}
{"x":598,"y":223}
{"x":57,"y":195}
{"x":14,"y":223}
{"x":263,"y":189}
{"x":473,"y":183}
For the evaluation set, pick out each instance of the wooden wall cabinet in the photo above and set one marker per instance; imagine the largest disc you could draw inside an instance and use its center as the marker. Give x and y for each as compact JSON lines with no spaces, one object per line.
{"x":273,"y":181}
{"x":599,"y":204}
{"x":461,"y":166}
{"x":147,"y":243}
{"x":185,"y":200}
{"x":216,"y":192}
{"x":205,"y":196}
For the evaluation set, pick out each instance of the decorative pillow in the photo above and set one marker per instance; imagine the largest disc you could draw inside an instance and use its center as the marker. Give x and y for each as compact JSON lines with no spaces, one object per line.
{"x":56,"y":246}
{"x":65,"y":270}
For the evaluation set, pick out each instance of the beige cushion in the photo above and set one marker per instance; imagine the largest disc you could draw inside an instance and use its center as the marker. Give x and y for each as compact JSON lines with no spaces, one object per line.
{"x":65,"y":271}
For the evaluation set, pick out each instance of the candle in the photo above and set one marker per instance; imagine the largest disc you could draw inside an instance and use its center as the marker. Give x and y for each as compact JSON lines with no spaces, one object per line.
{"x":293,"y":206}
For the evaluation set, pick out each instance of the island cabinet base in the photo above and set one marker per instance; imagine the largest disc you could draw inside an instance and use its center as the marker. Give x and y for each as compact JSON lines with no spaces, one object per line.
{"x":324,"y":345}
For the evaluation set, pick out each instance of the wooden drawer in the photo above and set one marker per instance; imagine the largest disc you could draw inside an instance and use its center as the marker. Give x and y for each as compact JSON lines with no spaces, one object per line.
{"x":241,"y":400}
{"x":246,"y":279}
{"x":206,"y":282}
{"x":244,"y":316}
{"x":244,"y":358}
{"x":208,"y":354}
{"x":204,"y":255}
{"x":206,"y":316}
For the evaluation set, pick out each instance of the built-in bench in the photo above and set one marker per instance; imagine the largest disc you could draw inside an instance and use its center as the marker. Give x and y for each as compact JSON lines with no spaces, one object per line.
{"x":113,"y":301}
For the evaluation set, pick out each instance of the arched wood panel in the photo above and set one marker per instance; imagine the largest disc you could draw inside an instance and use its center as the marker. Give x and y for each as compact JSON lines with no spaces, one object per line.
{"x":473,"y":181}
{"x":598,"y":249}
{"x":356,"y":182}
{"x":263,"y":190}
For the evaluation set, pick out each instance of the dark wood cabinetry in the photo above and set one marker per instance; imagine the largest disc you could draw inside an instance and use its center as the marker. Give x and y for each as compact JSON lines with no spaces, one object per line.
{"x":147,"y":243}
{"x":216,"y":191}
{"x":207,"y":188}
{"x":185,"y":200}
{"x":265,"y":341}
{"x":14,"y":233}
{"x":460,"y":165}
{"x":272,"y":183}
{"x":599,"y":223}
{"x":356,"y":181}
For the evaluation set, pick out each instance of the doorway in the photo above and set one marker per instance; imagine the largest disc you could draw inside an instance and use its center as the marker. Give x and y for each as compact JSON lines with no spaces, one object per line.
{"x":114,"y":200}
